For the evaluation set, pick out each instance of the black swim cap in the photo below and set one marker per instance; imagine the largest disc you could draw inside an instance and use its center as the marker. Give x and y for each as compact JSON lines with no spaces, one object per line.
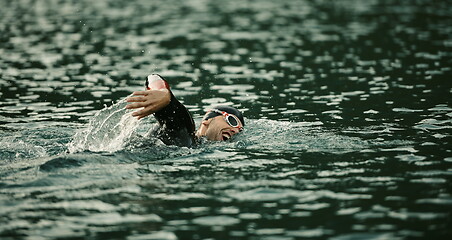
{"x":227,"y":109}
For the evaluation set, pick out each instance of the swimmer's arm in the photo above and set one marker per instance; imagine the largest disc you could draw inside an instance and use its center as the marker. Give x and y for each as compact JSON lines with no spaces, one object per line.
{"x":151,"y":101}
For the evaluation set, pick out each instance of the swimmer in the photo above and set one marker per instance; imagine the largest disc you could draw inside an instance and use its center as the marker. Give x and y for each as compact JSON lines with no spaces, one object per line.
{"x":175,"y":124}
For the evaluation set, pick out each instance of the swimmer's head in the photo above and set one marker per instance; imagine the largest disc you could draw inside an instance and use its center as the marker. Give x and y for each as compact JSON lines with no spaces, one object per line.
{"x":221,"y":123}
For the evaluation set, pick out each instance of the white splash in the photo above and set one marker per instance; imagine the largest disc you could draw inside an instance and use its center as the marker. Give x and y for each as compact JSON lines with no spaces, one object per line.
{"x":108,"y":131}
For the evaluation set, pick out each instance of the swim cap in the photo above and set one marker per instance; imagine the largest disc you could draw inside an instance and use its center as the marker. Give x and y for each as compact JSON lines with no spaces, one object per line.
{"x":228,"y":109}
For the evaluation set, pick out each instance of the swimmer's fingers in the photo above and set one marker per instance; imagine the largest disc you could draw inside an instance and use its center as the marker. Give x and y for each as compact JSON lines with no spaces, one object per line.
{"x":144,"y":112}
{"x":136,"y":105}
{"x":136,"y":99}
{"x":144,"y":93}
{"x":151,"y":102}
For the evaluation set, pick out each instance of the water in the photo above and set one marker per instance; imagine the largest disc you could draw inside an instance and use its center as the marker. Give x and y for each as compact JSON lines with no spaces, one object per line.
{"x":347,"y":105}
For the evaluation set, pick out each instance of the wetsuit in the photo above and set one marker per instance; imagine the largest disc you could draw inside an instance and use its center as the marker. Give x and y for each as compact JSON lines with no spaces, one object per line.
{"x":175,"y":124}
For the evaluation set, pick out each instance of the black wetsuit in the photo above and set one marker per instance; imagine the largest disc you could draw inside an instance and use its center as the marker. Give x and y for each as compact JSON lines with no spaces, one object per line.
{"x":176,"y":126}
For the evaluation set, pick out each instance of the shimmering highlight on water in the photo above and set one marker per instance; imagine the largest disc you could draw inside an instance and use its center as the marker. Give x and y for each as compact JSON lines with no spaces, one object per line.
{"x":347,"y":106}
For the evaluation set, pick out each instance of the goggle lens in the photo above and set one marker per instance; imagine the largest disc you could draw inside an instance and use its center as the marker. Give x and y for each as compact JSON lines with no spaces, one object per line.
{"x":232,"y":120}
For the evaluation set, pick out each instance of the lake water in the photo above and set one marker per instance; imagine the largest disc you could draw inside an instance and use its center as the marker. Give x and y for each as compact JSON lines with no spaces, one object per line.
{"x":347,"y":103}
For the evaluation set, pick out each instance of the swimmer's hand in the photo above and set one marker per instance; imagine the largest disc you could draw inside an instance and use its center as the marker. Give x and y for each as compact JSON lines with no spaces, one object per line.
{"x":150,"y":100}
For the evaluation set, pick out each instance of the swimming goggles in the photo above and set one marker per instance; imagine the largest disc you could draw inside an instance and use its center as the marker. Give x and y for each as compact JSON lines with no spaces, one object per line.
{"x":232,"y":120}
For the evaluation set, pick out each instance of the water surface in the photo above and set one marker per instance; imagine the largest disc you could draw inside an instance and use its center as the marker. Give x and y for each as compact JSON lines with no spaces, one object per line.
{"x":347,"y":105}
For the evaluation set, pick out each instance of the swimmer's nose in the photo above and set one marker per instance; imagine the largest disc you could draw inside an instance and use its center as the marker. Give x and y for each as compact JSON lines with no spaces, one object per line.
{"x":235,"y":131}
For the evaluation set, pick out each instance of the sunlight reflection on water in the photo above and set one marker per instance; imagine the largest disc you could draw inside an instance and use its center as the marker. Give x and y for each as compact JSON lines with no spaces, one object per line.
{"x":347,"y":107}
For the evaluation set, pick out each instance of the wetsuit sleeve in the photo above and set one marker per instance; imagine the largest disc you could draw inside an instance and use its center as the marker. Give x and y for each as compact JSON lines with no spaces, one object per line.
{"x":176,"y":126}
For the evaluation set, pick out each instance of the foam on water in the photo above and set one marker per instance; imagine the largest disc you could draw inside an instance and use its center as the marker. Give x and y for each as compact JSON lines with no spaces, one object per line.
{"x":281,"y":136}
{"x":108,"y":131}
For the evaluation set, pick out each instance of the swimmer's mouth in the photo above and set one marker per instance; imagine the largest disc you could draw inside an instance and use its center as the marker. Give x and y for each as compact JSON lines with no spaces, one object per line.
{"x":226,"y":136}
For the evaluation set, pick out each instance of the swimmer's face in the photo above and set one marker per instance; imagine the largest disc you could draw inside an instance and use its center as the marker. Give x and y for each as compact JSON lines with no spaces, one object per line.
{"x":217,"y":129}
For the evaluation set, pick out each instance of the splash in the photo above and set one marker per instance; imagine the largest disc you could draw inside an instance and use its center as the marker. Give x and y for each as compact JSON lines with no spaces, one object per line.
{"x":108,"y":131}
{"x":14,"y":147}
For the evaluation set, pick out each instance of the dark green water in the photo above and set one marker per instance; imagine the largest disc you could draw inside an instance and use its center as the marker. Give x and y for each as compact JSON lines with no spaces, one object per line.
{"x":348,"y":105}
